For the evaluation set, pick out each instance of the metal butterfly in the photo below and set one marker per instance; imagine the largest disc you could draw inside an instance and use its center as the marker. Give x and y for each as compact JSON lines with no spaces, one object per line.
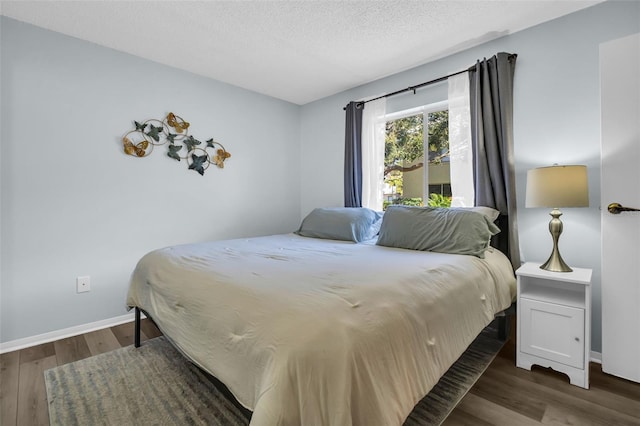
{"x":177,"y":123}
{"x":138,"y":149}
{"x":218,"y":160}
{"x":173,"y":151}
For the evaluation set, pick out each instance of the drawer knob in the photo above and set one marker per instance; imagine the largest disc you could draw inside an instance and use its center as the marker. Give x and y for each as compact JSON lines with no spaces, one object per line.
{"x":577,"y":339}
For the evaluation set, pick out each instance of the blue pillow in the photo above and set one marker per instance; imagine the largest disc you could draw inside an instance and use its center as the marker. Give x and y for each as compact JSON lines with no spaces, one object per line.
{"x":341,"y":223}
{"x":442,"y":230}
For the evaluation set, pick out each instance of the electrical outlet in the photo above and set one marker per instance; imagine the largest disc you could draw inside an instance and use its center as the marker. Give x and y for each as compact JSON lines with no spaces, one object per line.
{"x":83,"y":284}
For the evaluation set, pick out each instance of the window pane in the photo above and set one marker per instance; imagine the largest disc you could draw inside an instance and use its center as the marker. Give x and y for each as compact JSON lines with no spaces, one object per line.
{"x":404,"y":161}
{"x":406,"y":181}
{"x":439,"y":171}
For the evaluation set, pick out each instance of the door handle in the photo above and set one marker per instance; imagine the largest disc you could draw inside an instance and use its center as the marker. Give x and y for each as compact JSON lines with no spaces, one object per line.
{"x":616,"y":208}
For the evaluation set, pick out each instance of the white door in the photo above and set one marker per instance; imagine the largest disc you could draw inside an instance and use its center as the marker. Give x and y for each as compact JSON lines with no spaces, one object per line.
{"x":620,"y":183}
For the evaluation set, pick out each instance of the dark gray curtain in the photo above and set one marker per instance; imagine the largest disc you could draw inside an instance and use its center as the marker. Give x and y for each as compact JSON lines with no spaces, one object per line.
{"x":492,"y":139}
{"x":353,"y":155}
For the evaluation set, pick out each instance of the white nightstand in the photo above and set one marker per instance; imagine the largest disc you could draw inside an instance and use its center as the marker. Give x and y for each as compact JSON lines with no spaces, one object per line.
{"x":554,"y":321}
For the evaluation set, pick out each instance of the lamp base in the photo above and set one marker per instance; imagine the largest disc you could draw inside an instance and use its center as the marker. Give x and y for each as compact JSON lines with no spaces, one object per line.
{"x":555,"y":263}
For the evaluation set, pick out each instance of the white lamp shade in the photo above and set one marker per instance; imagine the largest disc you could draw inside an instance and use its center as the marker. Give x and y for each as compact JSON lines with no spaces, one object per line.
{"x":557,"y":186}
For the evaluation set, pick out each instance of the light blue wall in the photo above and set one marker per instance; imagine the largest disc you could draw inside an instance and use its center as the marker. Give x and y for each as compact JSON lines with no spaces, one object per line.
{"x":73,"y":204}
{"x":556,"y":120}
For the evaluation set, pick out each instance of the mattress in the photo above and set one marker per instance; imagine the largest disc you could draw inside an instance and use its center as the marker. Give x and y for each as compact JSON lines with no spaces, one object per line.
{"x":321,"y":332}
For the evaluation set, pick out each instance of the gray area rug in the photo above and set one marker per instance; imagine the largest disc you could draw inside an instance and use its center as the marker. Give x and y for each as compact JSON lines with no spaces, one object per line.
{"x":156,"y":385}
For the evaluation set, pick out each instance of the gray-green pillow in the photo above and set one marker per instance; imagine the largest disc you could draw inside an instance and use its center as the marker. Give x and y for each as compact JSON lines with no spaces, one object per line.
{"x":491,"y":214}
{"x":341,"y":223}
{"x":441,"y":230}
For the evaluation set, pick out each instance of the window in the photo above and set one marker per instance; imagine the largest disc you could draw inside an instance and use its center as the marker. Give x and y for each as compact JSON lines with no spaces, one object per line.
{"x":408,"y":178}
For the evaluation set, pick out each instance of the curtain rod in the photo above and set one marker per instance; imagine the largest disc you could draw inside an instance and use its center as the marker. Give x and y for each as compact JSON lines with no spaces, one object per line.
{"x":414,"y":88}
{"x":411,"y":88}
{"x":427,"y":83}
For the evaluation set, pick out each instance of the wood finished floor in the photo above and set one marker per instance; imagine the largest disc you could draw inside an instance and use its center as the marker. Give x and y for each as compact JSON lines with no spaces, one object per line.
{"x":504,"y":395}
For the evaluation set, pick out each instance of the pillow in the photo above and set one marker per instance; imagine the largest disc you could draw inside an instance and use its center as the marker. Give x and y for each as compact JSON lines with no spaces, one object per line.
{"x":442,"y":230}
{"x":341,"y":223}
{"x":491,"y":214}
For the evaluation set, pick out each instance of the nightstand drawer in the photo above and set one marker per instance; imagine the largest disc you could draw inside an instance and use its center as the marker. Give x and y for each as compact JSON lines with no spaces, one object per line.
{"x":552,"y":331}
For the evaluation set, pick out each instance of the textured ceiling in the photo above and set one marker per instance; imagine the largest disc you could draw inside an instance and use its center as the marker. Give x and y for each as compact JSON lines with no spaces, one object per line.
{"x":298,"y":51}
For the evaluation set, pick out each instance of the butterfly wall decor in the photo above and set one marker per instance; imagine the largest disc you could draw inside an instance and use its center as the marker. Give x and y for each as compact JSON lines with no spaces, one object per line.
{"x":173,"y":132}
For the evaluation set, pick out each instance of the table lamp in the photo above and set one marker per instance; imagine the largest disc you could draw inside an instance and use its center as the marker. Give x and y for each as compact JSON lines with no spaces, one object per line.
{"x":555,"y":187}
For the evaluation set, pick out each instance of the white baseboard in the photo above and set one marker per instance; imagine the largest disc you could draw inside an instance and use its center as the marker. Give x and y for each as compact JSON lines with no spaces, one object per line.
{"x":596,"y":357}
{"x":26,"y":342}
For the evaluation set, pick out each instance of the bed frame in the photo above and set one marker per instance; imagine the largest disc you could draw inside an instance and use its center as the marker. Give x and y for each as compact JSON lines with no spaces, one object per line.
{"x":137,"y":333}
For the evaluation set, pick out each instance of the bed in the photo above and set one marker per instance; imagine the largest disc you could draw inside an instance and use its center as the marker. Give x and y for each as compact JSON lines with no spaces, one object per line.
{"x":308,"y":329}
